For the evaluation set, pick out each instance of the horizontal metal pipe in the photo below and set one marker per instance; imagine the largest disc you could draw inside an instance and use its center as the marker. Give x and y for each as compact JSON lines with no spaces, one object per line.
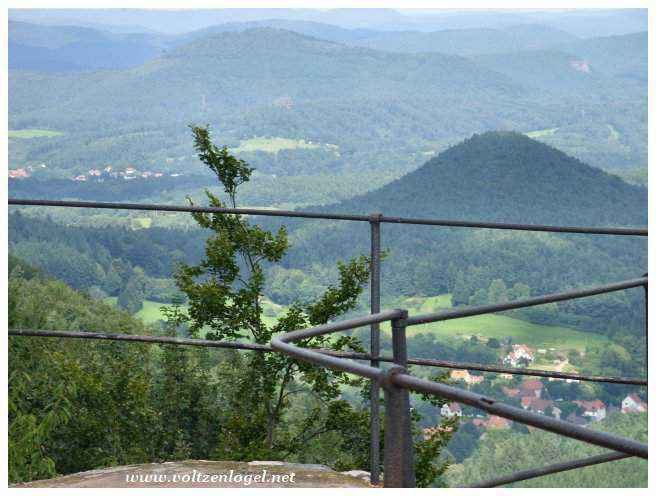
{"x":208,"y":343}
{"x":528,"y":302}
{"x":621,"y":231}
{"x":340,"y":354}
{"x":188,"y":208}
{"x":342,"y":325}
{"x":551,"y":424}
{"x":551,"y":469}
{"x":428,"y":362}
{"x":281,"y":343}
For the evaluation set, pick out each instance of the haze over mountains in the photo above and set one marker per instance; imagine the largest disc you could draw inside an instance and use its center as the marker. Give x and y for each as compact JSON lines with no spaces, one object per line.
{"x":338,"y":106}
{"x":580,"y":22}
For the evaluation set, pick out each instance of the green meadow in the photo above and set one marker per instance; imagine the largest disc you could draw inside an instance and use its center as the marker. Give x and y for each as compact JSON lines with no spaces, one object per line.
{"x":34,"y":133}
{"x":273,"y":145}
{"x":497,"y":326}
{"x":151,"y":311}
{"x":481,"y":326}
{"x":541,"y":133}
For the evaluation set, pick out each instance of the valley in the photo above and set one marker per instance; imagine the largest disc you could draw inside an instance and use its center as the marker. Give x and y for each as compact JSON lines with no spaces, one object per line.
{"x":530,"y":117}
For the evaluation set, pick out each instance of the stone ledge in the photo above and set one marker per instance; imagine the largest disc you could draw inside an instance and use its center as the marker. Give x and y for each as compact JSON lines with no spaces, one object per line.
{"x":227,"y":474}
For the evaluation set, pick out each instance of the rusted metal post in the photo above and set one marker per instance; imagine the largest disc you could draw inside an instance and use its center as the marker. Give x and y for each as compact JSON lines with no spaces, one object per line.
{"x":646,"y":328}
{"x":375,"y":348}
{"x":399,"y":456}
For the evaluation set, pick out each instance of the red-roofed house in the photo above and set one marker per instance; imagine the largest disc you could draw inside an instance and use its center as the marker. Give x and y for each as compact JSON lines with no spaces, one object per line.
{"x":18,"y":173}
{"x":475,"y":379}
{"x":464,"y":375}
{"x":633,"y":404}
{"x":459,"y":375}
{"x":596,"y":409}
{"x":496,"y":422}
{"x":531,"y":387}
{"x":536,"y":405}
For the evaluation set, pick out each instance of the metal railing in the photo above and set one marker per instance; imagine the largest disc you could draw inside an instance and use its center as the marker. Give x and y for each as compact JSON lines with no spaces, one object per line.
{"x":395,"y":381}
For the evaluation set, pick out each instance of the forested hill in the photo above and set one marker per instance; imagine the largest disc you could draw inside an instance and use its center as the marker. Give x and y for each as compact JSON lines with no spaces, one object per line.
{"x":507,"y":177}
{"x":243,"y":70}
{"x":502,"y":177}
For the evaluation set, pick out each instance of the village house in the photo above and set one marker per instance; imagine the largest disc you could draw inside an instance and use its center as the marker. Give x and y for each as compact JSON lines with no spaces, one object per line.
{"x":495,"y":422}
{"x":475,"y":379}
{"x":81,"y":177}
{"x":18,"y":174}
{"x":429,"y":432}
{"x":492,"y":422}
{"x":633,"y":404}
{"x":459,"y":375}
{"x":568,"y":381}
{"x":520,"y":355}
{"x":505,"y":376}
{"x":451,"y":410}
{"x":536,"y":405}
{"x":595,"y":410}
{"x":531,"y":387}
{"x":464,"y":375}
{"x":94,"y":172}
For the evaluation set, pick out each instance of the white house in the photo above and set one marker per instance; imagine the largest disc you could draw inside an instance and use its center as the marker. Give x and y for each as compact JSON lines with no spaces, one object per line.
{"x":633,"y":404}
{"x":520,"y":355}
{"x":595,"y":410}
{"x":451,"y":410}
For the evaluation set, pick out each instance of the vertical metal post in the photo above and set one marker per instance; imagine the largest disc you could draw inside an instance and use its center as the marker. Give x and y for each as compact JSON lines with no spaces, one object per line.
{"x":399,"y":456}
{"x":646,"y":328}
{"x":375,"y":348}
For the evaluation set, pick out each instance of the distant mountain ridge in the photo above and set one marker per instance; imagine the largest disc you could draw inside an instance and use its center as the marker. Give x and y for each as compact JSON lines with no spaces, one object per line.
{"x":368,"y":108}
{"x":470,"y":41}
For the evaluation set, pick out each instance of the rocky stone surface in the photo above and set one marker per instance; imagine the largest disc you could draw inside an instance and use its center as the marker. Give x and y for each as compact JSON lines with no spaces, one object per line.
{"x":205,"y":473}
{"x":358,"y":474}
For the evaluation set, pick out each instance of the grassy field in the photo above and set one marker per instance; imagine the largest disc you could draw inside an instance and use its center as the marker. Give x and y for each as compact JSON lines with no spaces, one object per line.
{"x":273,"y":145}
{"x":141,"y":222}
{"x":34,"y":133}
{"x":481,"y":326}
{"x":498,"y":326}
{"x":541,"y":133}
{"x":152,"y":311}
